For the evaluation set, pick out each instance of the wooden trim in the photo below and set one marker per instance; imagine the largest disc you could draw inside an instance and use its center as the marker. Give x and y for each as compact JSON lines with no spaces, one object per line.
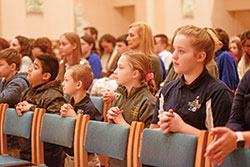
{"x":83,"y":130}
{"x":77,"y":140}
{"x":106,"y":107}
{"x":3,"y":137}
{"x":137,"y":144}
{"x":39,"y":144}
{"x":33,"y":138}
{"x":207,"y":162}
{"x":201,"y":148}
{"x":130,"y":144}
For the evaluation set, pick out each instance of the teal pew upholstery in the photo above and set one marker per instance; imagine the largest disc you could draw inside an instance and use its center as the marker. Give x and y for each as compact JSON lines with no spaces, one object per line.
{"x":107,"y":139}
{"x":237,"y":158}
{"x":58,"y":130}
{"x":168,"y":150}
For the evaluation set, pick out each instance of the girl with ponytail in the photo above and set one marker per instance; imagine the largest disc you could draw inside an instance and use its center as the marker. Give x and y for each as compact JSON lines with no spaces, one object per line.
{"x":197,"y":100}
{"x":135,"y":100}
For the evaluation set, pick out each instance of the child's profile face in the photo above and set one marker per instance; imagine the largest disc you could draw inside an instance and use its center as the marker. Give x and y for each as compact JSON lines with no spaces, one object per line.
{"x":35,"y":75}
{"x":184,"y":54}
{"x":123,"y":72}
{"x":69,"y":85}
{"x":5,"y":69}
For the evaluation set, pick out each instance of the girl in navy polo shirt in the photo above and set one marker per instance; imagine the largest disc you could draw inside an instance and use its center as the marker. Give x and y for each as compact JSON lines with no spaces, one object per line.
{"x":197,"y":100}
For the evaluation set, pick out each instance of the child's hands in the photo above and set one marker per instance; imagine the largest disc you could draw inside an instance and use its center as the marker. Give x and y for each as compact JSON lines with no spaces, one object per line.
{"x":108,"y":96}
{"x":170,"y":122}
{"x":22,"y":107}
{"x":115,"y":114}
{"x":67,"y":110}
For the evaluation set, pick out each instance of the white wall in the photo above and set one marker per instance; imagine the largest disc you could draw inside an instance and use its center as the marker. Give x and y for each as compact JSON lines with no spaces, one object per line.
{"x":57,"y":18}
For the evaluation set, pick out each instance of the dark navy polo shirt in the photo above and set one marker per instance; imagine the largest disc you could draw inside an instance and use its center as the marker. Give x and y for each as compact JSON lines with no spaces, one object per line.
{"x":85,"y":106}
{"x":240,"y":115}
{"x":189,"y":101}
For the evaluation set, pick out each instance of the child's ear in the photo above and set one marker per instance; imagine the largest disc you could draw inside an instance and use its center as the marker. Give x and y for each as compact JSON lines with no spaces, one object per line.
{"x":91,"y":46}
{"x":136,"y":74}
{"x":201,"y":57}
{"x":13,"y":66}
{"x":79,"y":85}
{"x":46,"y":76}
{"x":74,"y":46}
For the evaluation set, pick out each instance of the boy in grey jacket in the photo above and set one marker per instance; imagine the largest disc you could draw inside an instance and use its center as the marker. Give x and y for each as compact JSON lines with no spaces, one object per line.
{"x":12,"y":82}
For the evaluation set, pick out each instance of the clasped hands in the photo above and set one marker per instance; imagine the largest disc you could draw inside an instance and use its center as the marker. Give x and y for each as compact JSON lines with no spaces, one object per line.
{"x":115,"y":114}
{"x":67,"y":110}
{"x":22,"y":107}
{"x":170,"y":122}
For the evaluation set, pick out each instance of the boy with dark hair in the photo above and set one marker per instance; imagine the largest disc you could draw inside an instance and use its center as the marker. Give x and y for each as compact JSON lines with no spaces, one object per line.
{"x":46,"y":93}
{"x":226,"y":64}
{"x":161,"y":44}
{"x":121,"y":46}
{"x":12,"y":82}
{"x":77,"y":81}
{"x":92,"y":31}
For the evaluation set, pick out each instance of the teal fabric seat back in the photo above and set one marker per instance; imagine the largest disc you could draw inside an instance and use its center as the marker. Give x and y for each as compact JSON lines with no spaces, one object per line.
{"x":237,"y":158}
{"x":168,"y":150}
{"x":18,"y":125}
{"x":58,"y":130}
{"x":11,"y":161}
{"x":107,"y":139}
{"x":97,"y":101}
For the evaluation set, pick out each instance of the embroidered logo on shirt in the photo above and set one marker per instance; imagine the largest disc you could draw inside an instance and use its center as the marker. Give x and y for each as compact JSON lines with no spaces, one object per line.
{"x":194,"y":105}
{"x":134,"y":112}
{"x":79,"y":111}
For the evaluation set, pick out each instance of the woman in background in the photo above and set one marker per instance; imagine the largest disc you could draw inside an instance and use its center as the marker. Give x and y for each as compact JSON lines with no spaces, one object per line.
{"x":90,"y":53}
{"x":22,"y":45}
{"x":244,"y":64}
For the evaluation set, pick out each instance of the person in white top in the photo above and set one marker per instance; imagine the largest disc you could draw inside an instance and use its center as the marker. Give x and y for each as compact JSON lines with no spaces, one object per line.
{"x":161,"y":44}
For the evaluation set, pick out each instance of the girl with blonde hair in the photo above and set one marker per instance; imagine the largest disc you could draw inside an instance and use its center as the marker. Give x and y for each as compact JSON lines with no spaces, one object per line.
{"x":197,"y":100}
{"x":135,"y":101}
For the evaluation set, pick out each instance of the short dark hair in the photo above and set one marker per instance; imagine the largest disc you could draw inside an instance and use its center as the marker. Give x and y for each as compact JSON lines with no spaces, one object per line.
{"x":49,"y":64}
{"x":164,"y":38}
{"x":92,"y":30}
{"x":11,"y":56}
{"x":223,"y":37}
{"x":123,"y":38}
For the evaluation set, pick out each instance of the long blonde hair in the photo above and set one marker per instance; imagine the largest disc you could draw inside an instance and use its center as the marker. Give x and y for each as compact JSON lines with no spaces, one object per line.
{"x":146,"y":37}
